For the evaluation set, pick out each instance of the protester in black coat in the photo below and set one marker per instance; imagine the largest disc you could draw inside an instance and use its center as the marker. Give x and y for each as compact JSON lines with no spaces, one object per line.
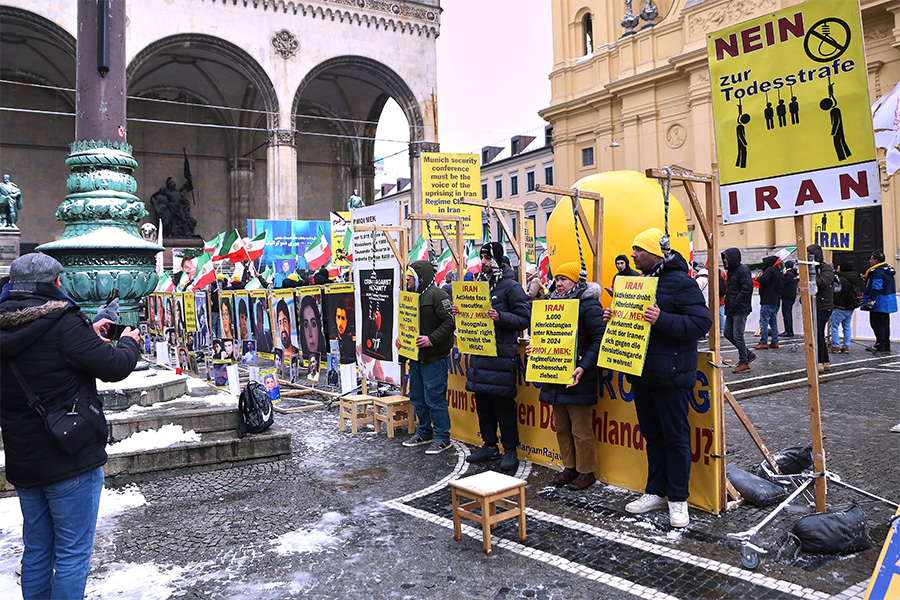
{"x":771,"y":286}
{"x":60,"y":356}
{"x":738,"y":304}
{"x":493,"y":379}
{"x":572,"y":403}
{"x":788,"y":297}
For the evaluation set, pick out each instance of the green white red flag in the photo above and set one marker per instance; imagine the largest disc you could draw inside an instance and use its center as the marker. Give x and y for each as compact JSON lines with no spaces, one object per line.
{"x":165,"y":283}
{"x":318,"y":254}
{"x":205,"y":273}
{"x":229,"y":244}
{"x":212,"y":245}
{"x":419,"y":251}
{"x":445,"y":265}
{"x":250,"y":249}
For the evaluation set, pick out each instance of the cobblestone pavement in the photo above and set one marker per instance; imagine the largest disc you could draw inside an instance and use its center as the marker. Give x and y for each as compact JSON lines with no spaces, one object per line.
{"x":359,"y":516}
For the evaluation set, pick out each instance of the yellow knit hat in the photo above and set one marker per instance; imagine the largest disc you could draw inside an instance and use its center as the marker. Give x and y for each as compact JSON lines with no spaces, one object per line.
{"x":569,"y":270}
{"x":649,"y":240}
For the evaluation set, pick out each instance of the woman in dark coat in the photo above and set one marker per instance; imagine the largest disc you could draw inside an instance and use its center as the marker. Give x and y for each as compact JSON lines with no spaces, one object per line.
{"x":572,"y":403}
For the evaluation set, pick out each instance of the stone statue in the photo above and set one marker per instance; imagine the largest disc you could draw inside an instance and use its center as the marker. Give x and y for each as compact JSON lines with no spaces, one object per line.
{"x":174,"y":210}
{"x":148,"y":232}
{"x":355,"y":201}
{"x":10,"y":202}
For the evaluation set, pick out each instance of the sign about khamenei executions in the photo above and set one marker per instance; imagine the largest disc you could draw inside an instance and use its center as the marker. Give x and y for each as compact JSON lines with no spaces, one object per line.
{"x":791,"y":109}
{"x":446,"y":180}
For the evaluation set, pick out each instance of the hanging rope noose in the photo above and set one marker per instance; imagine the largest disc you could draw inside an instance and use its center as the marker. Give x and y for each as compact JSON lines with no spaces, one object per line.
{"x":582,"y":275}
{"x":432,"y":257}
{"x":664,"y":242}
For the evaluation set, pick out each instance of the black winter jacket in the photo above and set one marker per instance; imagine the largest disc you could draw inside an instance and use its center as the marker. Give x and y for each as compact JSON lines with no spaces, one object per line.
{"x":739,"y":285}
{"x":771,"y":282}
{"x":496,"y":375}
{"x":824,"y":281}
{"x":587,"y":349}
{"x":58,"y":353}
{"x":791,"y":281}
{"x":683,"y":319}
{"x":846,"y":299}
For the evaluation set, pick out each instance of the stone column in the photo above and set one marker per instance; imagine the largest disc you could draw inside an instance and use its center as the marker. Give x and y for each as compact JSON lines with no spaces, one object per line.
{"x":281,"y":165}
{"x":240,"y":176}
{"x":415,"y":187}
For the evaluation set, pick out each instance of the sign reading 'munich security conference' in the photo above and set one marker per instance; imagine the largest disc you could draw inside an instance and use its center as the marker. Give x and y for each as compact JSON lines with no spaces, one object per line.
{"x":791,"y":108}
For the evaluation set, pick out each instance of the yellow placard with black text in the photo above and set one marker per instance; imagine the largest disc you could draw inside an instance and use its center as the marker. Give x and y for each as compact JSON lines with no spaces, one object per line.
{"x":475,"y":332}
{"x":446,"y":180}
{"x":624,"y":344}
{"x":190,"y":315}
{"x":791,"y":109}
{"x":554,"y":333}
{"x":408,"y":324}
{"x":529,"y":242}
{"x":834,"y":230}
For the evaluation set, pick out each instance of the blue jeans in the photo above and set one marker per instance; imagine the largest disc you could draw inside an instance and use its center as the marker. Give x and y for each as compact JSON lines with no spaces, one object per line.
{"x":840,"y":317}
{"x":59,"y":521}
{"x":787,"y":314}
{"x":768,"y":319}
{"x":722,"y":319}
{"x":428,"y":394}
{"x":734,"y":333}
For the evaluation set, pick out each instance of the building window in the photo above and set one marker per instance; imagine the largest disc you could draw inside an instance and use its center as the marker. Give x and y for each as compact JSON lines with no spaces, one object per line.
{"x":484,"y":190}
{"x":498,"y":188}
{"x":516,"y":146}
{"x":548,"y":175}
{"x":485,"y":156}
{"x":546,"y":220}
{"x":587,"y":157}
{"x":513,"y":185}
{"x":529,"y":181}
{"x":513,"y":229}
{"x":587,"y":24}
{"x":501,"y":235}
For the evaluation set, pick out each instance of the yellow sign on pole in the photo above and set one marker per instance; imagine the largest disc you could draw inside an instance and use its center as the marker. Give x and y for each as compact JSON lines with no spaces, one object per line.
{"x":408,"y":321}
{"x":834,"y":230}
{"x":474,"y":328}
{"x":340,"y":223}
{"x":791,"y":109}
{"x":554,"y":329}
{"x":624,"y":344}
{"x":529,"y":241}
{"x":190,"y":315}
{"x":446,"y":180}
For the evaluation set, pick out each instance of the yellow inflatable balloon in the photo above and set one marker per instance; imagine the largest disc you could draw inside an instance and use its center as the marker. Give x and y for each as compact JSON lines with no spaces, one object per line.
{"x":631,"y":204}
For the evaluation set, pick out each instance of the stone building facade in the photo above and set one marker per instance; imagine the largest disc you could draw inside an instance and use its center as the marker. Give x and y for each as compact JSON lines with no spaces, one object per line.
{"x":637,"y":100}
{"x":274,"y":102}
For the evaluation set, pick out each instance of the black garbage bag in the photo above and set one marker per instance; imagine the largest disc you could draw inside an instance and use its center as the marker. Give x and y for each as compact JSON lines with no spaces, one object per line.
{"x":755,"y":490}
{"x":841,"y":530}
{"x":791,"y":461}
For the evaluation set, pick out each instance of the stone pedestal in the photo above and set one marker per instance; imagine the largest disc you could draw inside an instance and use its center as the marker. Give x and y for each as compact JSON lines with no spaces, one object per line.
{"x":9,"y":248}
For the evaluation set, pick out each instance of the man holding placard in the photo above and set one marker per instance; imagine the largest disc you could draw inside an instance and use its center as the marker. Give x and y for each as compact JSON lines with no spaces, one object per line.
{"x":428,"y":373}
{"x":663,"y":392}
{"x":493,"y":379}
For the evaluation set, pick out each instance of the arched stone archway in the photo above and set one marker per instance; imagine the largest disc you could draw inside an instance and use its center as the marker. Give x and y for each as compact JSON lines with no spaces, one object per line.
{"x":37,"y":60}
{"x":352,"y":90}
{"x":211,"y":98}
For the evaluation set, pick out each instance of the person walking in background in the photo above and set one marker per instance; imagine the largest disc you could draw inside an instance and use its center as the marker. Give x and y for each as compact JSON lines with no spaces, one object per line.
{"x":771,"y":286}
{"x":58,"y":353}
{"x":572,"y":404}
{"x":493,"y":379}
{"x":428,"y":374}
{"x":738,"y":304}
{"x":788,"y":297}
{"x":824,"y":303}
{"x":845,"y":302}
{"x":880,"y":299}
{"x":665,"y":389}
{"x":623,"y":268}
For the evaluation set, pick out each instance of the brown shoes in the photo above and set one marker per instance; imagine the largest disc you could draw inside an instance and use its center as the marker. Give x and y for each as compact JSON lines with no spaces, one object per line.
{"x":845,"y":350}
{"x":584,"y":480}
{"x":773,"y":346}
{"x":824,"y":367}
{"x":751,"y":357}
{"x":565,"y":476}
{"x":741,"y":368}
{"x":760,"y":346}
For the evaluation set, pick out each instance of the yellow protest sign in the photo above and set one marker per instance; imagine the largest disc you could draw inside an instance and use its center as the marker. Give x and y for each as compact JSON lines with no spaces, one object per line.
{"x":190,"y":315}
{"x":554,"y":328}
{"x":474,"y":328}
{"x":408,"y":322}
{"x":885,"y":582}
{"x":340,"y":223}
{"x":791,"y":109}
{"x":446,"y":180}
{"x":624,"y":344}
{"x":834,"y":230}
{"x":529,"y":241}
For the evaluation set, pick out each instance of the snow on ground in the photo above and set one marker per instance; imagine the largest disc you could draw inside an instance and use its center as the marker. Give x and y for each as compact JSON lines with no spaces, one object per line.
{"x":147,"y":581}
{"x":310,"y":540}
{"x":182,"y":402}
{"x":151,"y":439}
{"x":112,"y":503}
{"x":139,"y":379}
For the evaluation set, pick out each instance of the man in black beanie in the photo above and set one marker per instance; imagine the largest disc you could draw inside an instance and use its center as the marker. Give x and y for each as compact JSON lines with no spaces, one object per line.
{"x":493,"y":378}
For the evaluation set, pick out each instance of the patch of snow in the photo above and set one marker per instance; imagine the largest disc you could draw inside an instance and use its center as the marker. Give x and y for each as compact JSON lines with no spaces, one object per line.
{"x":138,"y":379}
{"x":152,"y":439}
{"x":204,"y":402}
{"x":310,"y":540}
{"x":146,"y":581}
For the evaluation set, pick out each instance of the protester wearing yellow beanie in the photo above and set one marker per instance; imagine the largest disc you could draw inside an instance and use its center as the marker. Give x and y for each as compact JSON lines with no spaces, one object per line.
{"x":648,"y":240}
{"x":569,"y":270}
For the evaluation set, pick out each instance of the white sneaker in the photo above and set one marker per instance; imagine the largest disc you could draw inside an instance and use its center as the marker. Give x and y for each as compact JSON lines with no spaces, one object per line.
{"x":678,"y":514}
{"x":646,"y":503}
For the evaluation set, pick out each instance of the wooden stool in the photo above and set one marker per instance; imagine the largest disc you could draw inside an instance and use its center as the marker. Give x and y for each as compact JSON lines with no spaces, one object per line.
{"x":356,"y":409}
{"x":488,"y":490}
{"x":397,"y":412}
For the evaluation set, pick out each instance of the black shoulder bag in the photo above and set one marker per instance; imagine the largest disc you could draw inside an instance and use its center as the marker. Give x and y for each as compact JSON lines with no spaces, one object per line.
{"x":73,"y":429}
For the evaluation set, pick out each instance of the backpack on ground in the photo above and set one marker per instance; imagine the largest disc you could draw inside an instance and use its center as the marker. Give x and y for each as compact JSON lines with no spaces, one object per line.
{"x":255,"y":412}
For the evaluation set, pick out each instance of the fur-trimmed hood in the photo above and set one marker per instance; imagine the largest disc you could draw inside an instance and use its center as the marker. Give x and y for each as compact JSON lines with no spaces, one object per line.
{"x":25,"y":321}
{"x":30,"y":313}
